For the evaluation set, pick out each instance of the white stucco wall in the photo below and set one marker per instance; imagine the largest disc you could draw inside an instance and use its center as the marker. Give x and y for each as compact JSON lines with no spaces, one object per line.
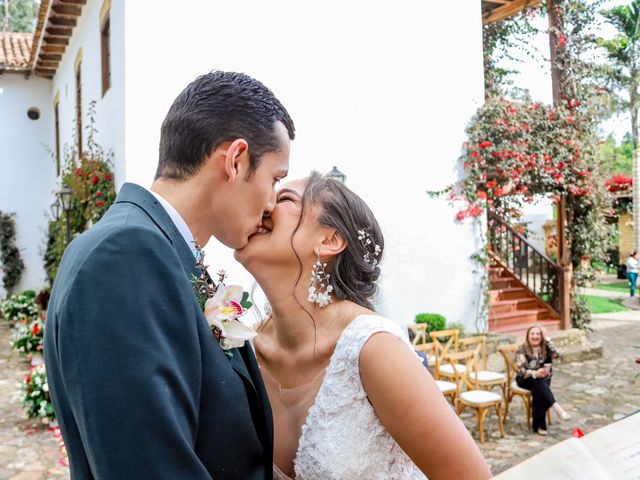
{"x":381,"y":90}
{"x":535,"y":216}
{"x":110,"y":108}
{"x":27,"y":170}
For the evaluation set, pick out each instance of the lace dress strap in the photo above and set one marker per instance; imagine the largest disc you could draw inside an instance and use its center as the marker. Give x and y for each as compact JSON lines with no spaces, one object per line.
{"x":360,"y":330}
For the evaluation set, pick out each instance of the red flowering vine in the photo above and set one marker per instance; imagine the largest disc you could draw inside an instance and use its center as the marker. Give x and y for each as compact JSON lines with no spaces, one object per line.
{"x":518,"y":150}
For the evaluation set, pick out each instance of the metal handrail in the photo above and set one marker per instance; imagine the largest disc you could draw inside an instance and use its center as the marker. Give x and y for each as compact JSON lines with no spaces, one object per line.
{"x":529,"y":265}
{"x":493,"y":216}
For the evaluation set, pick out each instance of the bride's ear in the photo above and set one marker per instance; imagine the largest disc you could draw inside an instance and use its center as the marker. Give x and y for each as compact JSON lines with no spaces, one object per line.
{"x":332,"y":244}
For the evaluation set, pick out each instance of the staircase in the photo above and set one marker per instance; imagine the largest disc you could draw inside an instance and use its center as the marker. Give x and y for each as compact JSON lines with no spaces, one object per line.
{"x":513,"y":308}
{"x":523,"y":283}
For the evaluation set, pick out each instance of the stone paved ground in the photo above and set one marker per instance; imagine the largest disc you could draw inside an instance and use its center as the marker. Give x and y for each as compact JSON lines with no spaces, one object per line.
{"x":28,"y":451}
{"x":595,"y":392}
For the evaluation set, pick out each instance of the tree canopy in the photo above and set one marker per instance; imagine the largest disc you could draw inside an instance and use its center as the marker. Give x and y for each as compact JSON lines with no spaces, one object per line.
{"x":18,"y":15}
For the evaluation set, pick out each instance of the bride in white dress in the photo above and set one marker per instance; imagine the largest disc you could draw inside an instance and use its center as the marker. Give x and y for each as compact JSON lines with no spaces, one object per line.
{"x":350,"y":398}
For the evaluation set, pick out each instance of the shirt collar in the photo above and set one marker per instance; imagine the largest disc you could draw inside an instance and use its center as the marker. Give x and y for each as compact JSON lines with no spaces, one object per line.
{"x":178,"y":221}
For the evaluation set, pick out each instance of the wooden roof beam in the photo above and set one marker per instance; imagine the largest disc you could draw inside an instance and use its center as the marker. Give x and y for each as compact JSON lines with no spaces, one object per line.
{"x":45,"y":72}
{"x":67,"y":10}
{"x":508,"y":10}
{"x":5,"y":69}
{"x":50,"y":57}
{"x":62,"y":20}
{"x":53,"y":49}
{"x":55,"y":40}
{"x":47,"y":65}
{"x":59,"y":31}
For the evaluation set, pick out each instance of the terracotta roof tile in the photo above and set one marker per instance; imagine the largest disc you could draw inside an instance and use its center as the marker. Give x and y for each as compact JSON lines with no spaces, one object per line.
{"x":15,"y":49}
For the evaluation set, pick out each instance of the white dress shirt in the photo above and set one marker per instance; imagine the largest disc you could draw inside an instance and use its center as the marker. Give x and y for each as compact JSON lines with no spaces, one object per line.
{"x":178,"y":221}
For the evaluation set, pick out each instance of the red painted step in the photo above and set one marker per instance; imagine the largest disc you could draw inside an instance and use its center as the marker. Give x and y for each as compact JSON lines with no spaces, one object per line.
{"x":518,"y":330}
{"x":513,"y":308}
{"x":532,"y":315}
{"x":510,"y":293}
{"x":514,"y":304}
{"x":504,"y":282}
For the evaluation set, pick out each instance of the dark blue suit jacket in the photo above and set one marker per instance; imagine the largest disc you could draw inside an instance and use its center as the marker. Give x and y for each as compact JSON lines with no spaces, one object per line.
{"x":140,"y":387}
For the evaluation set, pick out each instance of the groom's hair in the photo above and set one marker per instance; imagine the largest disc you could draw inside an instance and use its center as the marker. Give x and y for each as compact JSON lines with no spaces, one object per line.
{"x":215,"y":108}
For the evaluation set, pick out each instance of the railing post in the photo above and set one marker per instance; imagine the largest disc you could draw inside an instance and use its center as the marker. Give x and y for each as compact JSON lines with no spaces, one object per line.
{"x":564,"y":289}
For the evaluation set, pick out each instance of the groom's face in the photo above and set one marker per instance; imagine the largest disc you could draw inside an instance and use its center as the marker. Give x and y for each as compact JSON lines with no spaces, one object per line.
{"x":254,"y":195}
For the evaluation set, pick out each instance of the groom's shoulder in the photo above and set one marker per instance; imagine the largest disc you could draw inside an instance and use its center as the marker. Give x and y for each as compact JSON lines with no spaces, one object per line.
{"x":121,"y":234}
{"x":128,"y":237}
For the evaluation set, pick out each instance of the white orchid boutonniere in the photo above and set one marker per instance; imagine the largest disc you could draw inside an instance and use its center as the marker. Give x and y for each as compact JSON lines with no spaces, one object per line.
{"x":222,"y":312}
{"x":222,"y":306}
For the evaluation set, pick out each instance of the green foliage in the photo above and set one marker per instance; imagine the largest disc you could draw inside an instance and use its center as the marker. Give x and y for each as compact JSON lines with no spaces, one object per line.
{"x":501,"y":41}
{"x":434,"y":321}
{"x":620,"y":287}
{"x":18,"y":15}
{"x":19,"y":306}
{"x":10,"y":258}
{"x":616,"y":159}
{"x":36,"y":397}
{"x":457,"y":326}
{"x":90,"y":178}
{"x":623,"y":55}
{"x":604,"y":304}
{"x":28,"y":336}
{"x":580,"y":313}
{"x":56,"y":243}
{"x":245,"y":303}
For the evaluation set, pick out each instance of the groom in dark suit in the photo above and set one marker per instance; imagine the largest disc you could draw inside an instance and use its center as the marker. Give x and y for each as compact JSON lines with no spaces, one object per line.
{"x":140,"y":386}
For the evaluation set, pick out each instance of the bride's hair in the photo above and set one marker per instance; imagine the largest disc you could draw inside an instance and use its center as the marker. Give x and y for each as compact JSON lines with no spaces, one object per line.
{"x":353,"y":273}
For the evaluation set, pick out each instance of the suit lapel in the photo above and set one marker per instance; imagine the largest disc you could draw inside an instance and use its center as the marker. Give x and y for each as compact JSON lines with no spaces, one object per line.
{"x":243,"y":361}
{"x":132,"y":193}
{"x":238,"y":364}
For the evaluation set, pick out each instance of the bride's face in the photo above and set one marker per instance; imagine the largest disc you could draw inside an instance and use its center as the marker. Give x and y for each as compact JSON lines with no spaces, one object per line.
{"x":271,"y":246}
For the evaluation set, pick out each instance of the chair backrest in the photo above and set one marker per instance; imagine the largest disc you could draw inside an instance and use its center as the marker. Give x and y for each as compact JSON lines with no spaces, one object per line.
{"x":442,"y":347}
{"x":477,"y":342}
{"x":469,"y":359}
{"x":508,"y":353}
{"x":420,"y":330}
{"x":428,"y":348}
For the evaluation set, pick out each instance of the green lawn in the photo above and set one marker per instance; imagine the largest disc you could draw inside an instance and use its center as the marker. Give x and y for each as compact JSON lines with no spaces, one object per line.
{"x":604,"y":305}
{"x":621,"y":286}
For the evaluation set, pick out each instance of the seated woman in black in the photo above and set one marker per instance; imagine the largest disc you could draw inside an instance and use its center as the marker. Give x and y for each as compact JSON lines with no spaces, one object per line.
{"x":534,"y":358}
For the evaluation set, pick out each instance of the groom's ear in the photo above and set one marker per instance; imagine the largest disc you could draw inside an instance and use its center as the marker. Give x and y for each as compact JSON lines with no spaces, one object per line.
{"x":236,"y":160}
{"x":332,"y":244}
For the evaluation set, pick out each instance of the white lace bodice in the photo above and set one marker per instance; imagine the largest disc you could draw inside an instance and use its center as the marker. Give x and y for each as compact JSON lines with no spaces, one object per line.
{"x":343,"y":438}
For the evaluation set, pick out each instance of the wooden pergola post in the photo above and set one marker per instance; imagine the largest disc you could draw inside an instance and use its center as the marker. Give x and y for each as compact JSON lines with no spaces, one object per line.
{"x":564,"y":250}
{"x":564,"y":261}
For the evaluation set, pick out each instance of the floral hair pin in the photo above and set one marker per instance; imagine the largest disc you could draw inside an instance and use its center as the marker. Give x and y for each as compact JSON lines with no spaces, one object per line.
{"x":372,"y":249}
{"x":222,"y":306}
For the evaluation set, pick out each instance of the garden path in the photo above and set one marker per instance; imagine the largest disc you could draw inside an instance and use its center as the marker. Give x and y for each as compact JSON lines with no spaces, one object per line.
{"x":28,"y":450}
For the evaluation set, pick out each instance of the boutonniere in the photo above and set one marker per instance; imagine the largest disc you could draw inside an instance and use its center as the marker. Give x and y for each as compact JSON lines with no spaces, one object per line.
{"x":222,"y":306}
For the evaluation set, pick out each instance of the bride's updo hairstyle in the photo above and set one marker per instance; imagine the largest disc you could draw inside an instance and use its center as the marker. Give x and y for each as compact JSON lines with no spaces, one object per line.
{"x":354,"y":271}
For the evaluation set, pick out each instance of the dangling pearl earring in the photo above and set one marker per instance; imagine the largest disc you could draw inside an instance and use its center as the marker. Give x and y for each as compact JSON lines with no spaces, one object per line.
{"x":319,"y":282}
